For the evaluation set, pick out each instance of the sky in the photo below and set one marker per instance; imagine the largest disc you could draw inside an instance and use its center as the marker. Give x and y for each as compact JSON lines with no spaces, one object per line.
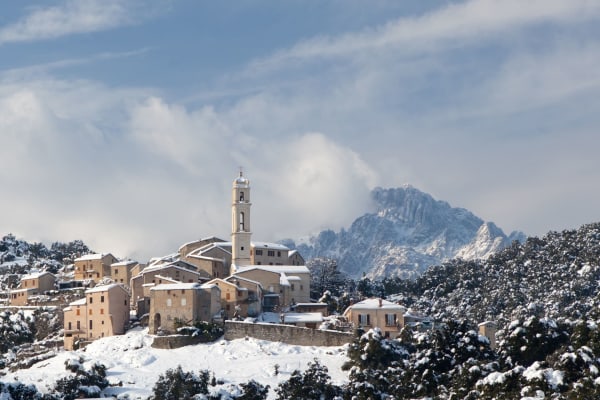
{"x":123,"y":123}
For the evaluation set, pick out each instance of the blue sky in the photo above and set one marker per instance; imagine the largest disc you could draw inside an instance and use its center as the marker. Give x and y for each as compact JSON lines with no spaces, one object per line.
{"x":123,"y":123}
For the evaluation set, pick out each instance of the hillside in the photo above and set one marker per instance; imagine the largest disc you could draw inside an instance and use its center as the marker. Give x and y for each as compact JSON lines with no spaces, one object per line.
{"x":408,"y":232}
{"x":556,"y":276}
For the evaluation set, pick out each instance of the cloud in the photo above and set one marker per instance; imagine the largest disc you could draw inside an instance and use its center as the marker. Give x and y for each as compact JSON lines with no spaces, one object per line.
{"x":451,"y":26}
{"x":72,"y":17}
{"x":158,"y":174}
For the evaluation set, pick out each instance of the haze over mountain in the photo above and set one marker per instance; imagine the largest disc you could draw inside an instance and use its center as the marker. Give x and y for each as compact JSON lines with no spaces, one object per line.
{"x":407,"y":232}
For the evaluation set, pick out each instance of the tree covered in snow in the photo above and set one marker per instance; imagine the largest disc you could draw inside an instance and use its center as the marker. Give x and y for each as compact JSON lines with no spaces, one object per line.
{"x":15,"y":329}
{"x":312,"y":384}
{"x":325,"y":276}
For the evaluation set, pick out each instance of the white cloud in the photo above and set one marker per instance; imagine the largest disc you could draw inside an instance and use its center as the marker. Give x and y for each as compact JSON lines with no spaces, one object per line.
{"x":449,"y":27}
{"x":72,"y":17}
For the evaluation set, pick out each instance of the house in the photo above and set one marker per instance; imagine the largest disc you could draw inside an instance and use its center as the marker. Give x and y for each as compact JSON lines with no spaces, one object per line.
{"x":488,"y":329}
{"x":177,"y":304}
{"x":284,"y":285}
{"x":104,"y":311}
{"x":156,"y":274}
{"x":93,"y":267}
{"x":33,"y":284}
{"x":239,"y":299}
{"x":121,"y":272}
{"x":376,"y":312}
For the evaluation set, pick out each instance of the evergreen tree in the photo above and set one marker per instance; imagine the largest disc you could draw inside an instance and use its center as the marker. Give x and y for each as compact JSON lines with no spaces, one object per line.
{"x":175,"y":384}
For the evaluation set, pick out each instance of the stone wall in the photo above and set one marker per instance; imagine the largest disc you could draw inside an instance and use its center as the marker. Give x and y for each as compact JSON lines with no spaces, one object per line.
{"x":286,"y":334}
{"x":176,"y":341}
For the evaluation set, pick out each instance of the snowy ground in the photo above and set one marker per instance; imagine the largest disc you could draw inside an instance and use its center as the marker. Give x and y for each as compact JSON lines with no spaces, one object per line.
{"x":130,"y":359}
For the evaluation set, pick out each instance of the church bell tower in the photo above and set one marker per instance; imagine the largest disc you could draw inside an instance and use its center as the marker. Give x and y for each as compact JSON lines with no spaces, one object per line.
{"x":240,"y":222}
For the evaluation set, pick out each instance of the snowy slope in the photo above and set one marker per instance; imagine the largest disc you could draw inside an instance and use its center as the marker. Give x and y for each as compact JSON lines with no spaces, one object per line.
{"x":130,"y":359}
{"x":407,"y":232}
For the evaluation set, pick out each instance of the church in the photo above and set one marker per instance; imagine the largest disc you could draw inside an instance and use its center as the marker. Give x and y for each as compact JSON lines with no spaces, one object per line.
{"x":253,"y":276}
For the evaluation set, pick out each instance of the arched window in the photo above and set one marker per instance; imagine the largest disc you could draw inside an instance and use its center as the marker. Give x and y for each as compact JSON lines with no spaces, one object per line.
{"x":241,"y":196}
{"x":241,"y":222}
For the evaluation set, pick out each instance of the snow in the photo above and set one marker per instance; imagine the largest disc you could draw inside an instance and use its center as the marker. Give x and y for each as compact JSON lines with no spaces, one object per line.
{"x":89,"y":257}
{"x":130,"y":359}
{"x":373,"y":303}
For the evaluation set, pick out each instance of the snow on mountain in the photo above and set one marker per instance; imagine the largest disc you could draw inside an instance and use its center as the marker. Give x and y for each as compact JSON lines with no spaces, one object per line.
{"x":131,"y":361}
{"x":407,"y":232}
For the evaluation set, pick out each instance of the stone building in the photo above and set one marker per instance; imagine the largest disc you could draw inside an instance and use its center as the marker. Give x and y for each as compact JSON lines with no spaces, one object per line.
{"x":104,"y":311}
{"x":178,"y":304}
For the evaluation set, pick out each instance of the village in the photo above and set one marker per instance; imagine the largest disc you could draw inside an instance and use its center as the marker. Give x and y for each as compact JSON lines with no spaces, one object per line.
{"x":209,"y":280}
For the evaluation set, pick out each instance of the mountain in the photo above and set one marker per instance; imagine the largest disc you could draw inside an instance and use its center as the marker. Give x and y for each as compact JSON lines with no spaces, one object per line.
{"x":408,"y":232}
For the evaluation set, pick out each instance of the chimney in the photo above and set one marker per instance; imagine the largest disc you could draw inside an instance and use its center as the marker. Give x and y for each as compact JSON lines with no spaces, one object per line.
{"x":380,"y":302}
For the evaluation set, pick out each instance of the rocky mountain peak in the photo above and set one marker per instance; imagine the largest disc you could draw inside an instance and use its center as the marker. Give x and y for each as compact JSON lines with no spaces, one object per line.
{"x":407,"y":232}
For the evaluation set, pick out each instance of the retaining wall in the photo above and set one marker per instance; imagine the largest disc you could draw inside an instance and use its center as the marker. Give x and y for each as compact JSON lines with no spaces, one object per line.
{"x":286,"y":333}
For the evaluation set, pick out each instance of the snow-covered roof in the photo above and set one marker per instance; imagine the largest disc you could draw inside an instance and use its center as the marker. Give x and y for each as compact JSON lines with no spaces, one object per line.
{"x":311,"y":304}
{"x":124,"y":263}
{"x":23,"y":290}
{"x":224,"y":246}
{"x":79,"y":302}
{"x":165,"y":266}
{"x":96,"y":256}
{"x":287,"y":269}
{"x":176,"y":286}
{"x":167,"y":278}
{"x":302,"y":317}
{"x":232,"y":277}
{"x":104,"y":288}
{"x":376,"y":303}
{"x":201,"y":240}
{"x":270,"y":246}
{"x":35,"y":275}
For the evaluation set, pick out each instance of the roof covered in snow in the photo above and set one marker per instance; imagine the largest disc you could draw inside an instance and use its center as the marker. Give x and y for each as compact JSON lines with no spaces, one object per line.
{"x":89,"y":257}
{"x":376,"y":303}
{"x":35,"y":275}
{"x":104,"y":288}
{"x":177,"y":286}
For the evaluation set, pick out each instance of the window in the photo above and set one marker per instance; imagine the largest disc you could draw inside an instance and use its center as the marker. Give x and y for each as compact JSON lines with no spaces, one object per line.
{"x":90,"y":311}
{"x":78,"y":325}
{"x":77,"y":312}
{"x":271,"y":253}
{"x":241,"y":196}
{"x":168,"y":302}
{"x":101,"y":299}
{"x":116,"y":271}
{"x":69,"y":328}
{"x":278,"y":254}
{"x":364,"y":319}
{"x":390,"y":319}
{"x":91,"y":299}
{"x":125,"y":302}
{"x":293,"y":288}
{"x":102,"y":311}
{"x":183,"y":301}
{"x":91,"y":324}
{"x":228,"y":296}
{"x":258,"y":252}
{"x":241,"y":222}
